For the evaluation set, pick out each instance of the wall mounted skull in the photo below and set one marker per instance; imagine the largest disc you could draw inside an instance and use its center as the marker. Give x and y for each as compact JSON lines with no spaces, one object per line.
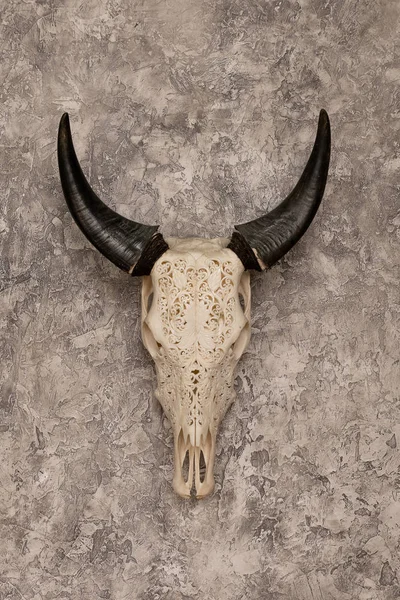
{"x":195,"y":297}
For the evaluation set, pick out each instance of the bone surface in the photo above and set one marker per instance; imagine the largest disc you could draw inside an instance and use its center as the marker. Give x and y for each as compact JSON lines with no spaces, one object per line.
{"x":195,"y":328}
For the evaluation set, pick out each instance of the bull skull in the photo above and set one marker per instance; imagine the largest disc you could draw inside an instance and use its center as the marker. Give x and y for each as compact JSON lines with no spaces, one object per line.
{"x":195,"y":298}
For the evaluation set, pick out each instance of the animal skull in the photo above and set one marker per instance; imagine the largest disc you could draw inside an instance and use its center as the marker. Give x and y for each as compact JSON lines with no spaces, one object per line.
{"x":196,"y":330}
{"x":195,"y":298}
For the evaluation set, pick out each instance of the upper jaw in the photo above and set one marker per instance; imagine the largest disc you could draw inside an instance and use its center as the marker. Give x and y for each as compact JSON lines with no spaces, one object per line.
{"x":199,"y":482}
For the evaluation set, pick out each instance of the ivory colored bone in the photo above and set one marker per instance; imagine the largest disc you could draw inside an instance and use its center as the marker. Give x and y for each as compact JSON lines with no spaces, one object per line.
{"x":196,"y":330}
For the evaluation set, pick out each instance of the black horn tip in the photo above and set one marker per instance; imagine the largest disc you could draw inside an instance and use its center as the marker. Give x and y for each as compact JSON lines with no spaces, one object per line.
{"x":64,"y":135}
{"x":323,"y":114}
{"x":64,"y":123}
{"x":323,"y":121}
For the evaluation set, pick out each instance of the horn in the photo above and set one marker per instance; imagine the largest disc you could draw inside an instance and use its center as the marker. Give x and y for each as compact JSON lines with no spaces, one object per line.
{"x":131,"y":246}
{"x":262,"y":242}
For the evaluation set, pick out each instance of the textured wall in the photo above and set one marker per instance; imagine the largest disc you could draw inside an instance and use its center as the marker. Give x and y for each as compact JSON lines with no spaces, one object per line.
{"x":199,"y":114}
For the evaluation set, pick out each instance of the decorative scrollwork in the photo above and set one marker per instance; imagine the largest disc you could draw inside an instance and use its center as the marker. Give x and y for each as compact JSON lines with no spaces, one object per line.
{"x":196,"y":318}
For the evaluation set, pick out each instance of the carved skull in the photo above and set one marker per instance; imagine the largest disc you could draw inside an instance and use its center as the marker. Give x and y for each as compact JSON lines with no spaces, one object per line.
{"x":195,"y":298}
{"x":196,"y":330}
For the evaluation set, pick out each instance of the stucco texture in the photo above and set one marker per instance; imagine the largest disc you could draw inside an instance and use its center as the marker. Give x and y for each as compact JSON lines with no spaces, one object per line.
{"x":199,"y":114}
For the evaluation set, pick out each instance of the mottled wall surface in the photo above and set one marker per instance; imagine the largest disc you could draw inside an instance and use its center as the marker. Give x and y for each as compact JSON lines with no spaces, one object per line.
{"x":198,"y":115}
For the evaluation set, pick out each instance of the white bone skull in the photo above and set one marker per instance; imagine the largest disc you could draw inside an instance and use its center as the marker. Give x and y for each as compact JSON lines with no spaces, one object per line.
{"x":195,"y":298}
{"x":196,"y":330}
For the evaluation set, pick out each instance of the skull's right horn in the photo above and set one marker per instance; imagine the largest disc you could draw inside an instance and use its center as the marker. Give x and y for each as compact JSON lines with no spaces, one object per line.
{"x":262,"y":242}
{"x":132,"y":246}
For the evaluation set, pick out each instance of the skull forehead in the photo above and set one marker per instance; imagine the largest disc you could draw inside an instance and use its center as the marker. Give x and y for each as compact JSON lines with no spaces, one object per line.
{"x":196,"y":307}
{"x":206,"y":261}
{"x":197,"y":253}
{"x":199,"y":247}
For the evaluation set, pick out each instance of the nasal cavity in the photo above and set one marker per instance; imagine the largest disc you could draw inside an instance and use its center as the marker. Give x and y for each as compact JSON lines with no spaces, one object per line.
{"x":185,"y":467}
{"x":202,"y":467}
{"x":194,"y":467}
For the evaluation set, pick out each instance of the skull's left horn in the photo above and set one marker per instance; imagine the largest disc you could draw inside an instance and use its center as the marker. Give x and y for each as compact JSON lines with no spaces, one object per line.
{"x":262,"y":242}
{"x":131,"y":246}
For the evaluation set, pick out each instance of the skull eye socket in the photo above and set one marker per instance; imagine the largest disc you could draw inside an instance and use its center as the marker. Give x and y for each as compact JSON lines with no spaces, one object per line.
{"x":150,"y":341}
{"x":240,"y":344}
{"x":242,"y":340}
{"x":149,"y":301}
{"x":242,"y":301}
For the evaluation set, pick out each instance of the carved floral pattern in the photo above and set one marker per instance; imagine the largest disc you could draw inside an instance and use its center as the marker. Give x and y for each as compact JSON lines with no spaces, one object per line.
{"x":196,"y":331}
{"x":196,"y":303}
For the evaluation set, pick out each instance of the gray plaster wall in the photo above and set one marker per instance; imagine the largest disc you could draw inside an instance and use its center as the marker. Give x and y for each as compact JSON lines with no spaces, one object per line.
{"x":199,"y":115}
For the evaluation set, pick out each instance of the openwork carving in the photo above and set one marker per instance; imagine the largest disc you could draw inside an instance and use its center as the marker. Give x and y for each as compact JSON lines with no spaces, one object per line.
{"x":196,"y":330}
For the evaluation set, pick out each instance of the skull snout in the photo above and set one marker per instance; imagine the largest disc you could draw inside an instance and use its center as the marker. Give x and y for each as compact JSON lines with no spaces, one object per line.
{"x":194,"y":465}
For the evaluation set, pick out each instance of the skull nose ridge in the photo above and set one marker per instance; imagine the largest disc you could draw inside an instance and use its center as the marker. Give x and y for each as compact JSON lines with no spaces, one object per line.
{"x":205,"y":485}
{"x":199,"y":482}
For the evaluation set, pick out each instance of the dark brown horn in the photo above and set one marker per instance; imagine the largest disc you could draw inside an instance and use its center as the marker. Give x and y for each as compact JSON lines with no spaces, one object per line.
{"x":262,"y":242}
{"x":131,"y":246}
